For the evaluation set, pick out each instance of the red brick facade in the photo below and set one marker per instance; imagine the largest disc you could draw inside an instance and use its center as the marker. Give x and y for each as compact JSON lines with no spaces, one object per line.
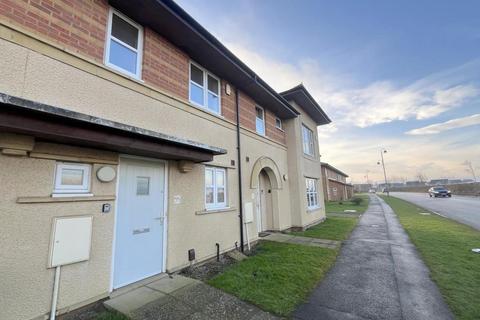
{"x":164,"y":65}
{"x":80,"y":25}
{"x":335,"y":187}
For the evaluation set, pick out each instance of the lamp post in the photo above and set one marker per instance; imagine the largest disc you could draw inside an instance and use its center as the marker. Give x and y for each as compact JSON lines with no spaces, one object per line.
{"x":382,"y":151}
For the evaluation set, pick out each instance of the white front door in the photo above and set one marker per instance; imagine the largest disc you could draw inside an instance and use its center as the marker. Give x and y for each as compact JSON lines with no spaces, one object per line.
{"x":139,"y":222}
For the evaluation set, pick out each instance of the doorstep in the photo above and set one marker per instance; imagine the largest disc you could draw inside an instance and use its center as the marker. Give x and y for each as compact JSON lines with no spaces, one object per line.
{"x":178,"y":297}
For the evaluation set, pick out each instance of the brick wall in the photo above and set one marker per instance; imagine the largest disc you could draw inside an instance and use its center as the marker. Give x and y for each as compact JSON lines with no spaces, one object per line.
{"x":247,"y":111}
{"x":78,"y":25}
{"x":271,"y":130}
{"x":164,"y":65}
{"x":228,"y":103}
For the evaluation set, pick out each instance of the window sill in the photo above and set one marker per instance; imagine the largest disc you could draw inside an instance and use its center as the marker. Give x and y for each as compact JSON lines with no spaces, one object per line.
{"x":64,"y":199}
{"x":313,"y":209}
{"x":205,"y":109}
{"x":309,"y":157}
{"x":217,"y":210}
{"x":71,"y":195}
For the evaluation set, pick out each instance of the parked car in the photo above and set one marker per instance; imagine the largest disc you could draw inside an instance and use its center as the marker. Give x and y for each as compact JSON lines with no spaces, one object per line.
{"x":372,"y":191}
{"x":439,"y":192}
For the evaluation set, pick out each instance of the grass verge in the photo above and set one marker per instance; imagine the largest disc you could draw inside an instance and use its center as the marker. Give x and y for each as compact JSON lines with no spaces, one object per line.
{"x":445,"y":246}
{"x":340,"y":206}
{"x":334,"y":228}
{"x":278,"y":277}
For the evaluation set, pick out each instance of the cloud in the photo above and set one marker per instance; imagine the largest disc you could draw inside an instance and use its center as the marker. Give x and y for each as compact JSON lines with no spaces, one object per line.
{"x":376,"y":103}
{"x":447,"y":125}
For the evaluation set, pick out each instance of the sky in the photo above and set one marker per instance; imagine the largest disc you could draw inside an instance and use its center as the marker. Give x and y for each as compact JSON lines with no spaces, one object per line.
{"x":403,"y":76}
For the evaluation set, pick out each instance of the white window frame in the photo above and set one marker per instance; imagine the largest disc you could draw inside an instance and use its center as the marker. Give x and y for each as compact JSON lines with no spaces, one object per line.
{"x":280,"y":127}
{"x":215,"y":204}
{"x":263,"y":120}
{"x":69,"y":190}
{"x":309,"y":192}
{"x":308,"y":145}
{"x":206,"y":73}
{"x":139,"y":50}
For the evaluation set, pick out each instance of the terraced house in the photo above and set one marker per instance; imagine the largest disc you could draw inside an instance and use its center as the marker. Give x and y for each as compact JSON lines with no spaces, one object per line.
{"x":134,"y":143}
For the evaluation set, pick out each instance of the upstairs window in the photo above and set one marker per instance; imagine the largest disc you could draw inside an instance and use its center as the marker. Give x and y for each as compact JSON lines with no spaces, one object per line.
{"x":312,"y":193}
{"x":215,"y":188}
{"x":278,"y":123}
{"x":260,"y":120}
{"x":308,"y":141}
{"x":204,"y":88}
{"x":124,"y":44}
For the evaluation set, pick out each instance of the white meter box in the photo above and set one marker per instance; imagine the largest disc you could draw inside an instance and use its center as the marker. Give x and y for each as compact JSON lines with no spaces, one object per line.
{"x":71,"y":240}
{"x":248,"y":212}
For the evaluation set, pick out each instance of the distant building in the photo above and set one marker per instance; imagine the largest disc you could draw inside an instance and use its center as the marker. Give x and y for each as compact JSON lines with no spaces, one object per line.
{"x":362,"y":187}
{"x":335,"y":186}
{"x":454,"y":181}
{"x":415,"y":183}
{"x":438,"y":182}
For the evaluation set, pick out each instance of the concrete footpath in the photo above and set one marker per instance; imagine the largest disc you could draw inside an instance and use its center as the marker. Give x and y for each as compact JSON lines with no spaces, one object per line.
{"x":378,"y":275}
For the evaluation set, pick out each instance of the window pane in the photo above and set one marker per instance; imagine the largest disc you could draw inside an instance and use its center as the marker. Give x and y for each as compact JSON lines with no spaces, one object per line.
{"x":260,"y":126}
{"x":143,"y":186}
{"x":212,"y":84}
{"x":259,"y":112}
{"x":213,"y":103}
{"x":208,"y":178}
{"x":72,"y":177}
{"x":124,"y":31}
{"x":220,"y":195}
{"x":196,"y":94}
{"x":209,"y":195}
{"x":220,"y":178}
{"x":196,"y":75}
{"x":123,"y":57}
{"x":278,"y":123}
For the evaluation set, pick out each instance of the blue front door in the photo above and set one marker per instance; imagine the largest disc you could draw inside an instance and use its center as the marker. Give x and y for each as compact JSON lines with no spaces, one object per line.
{"x":140,"y":221}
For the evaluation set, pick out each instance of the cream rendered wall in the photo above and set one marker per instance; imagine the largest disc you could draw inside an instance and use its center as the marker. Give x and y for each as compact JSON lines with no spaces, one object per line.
{"x":39,"y":72}
{"x":302,"y":166}
{"x":254,"y":147}
{"x":25,"y":229}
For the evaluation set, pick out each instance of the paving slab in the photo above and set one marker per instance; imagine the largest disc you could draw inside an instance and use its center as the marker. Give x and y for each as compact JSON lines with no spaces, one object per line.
{"x":307,"y":241}
{"x":171,"y":284}
{"x":134,"y":299}
{"x":177,"y":297}
{"x":378,"y":275}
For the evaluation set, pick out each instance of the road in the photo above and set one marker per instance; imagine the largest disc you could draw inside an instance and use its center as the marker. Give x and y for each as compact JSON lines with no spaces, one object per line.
{"x":460,"y":208}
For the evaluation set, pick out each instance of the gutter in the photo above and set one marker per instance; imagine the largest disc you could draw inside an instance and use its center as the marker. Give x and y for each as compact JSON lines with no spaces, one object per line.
{"x":239,"y":159}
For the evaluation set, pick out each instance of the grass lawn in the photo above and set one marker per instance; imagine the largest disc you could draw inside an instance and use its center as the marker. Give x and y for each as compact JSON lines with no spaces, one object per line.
{"x":334,"y":228}
{"x":340,"y":206}
{"x":445,"y":246}
{"x":278,"y":277}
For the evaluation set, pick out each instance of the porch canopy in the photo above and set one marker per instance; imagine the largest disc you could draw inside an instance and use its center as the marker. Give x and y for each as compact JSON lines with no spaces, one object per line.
{"x":59,"y":125}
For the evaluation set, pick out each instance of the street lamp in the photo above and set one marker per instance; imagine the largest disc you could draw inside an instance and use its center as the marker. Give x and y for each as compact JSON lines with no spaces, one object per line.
{"x":382,"y":151}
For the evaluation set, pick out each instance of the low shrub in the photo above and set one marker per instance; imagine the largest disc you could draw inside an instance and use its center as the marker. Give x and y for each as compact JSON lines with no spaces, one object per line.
{"x":357,"y":201}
